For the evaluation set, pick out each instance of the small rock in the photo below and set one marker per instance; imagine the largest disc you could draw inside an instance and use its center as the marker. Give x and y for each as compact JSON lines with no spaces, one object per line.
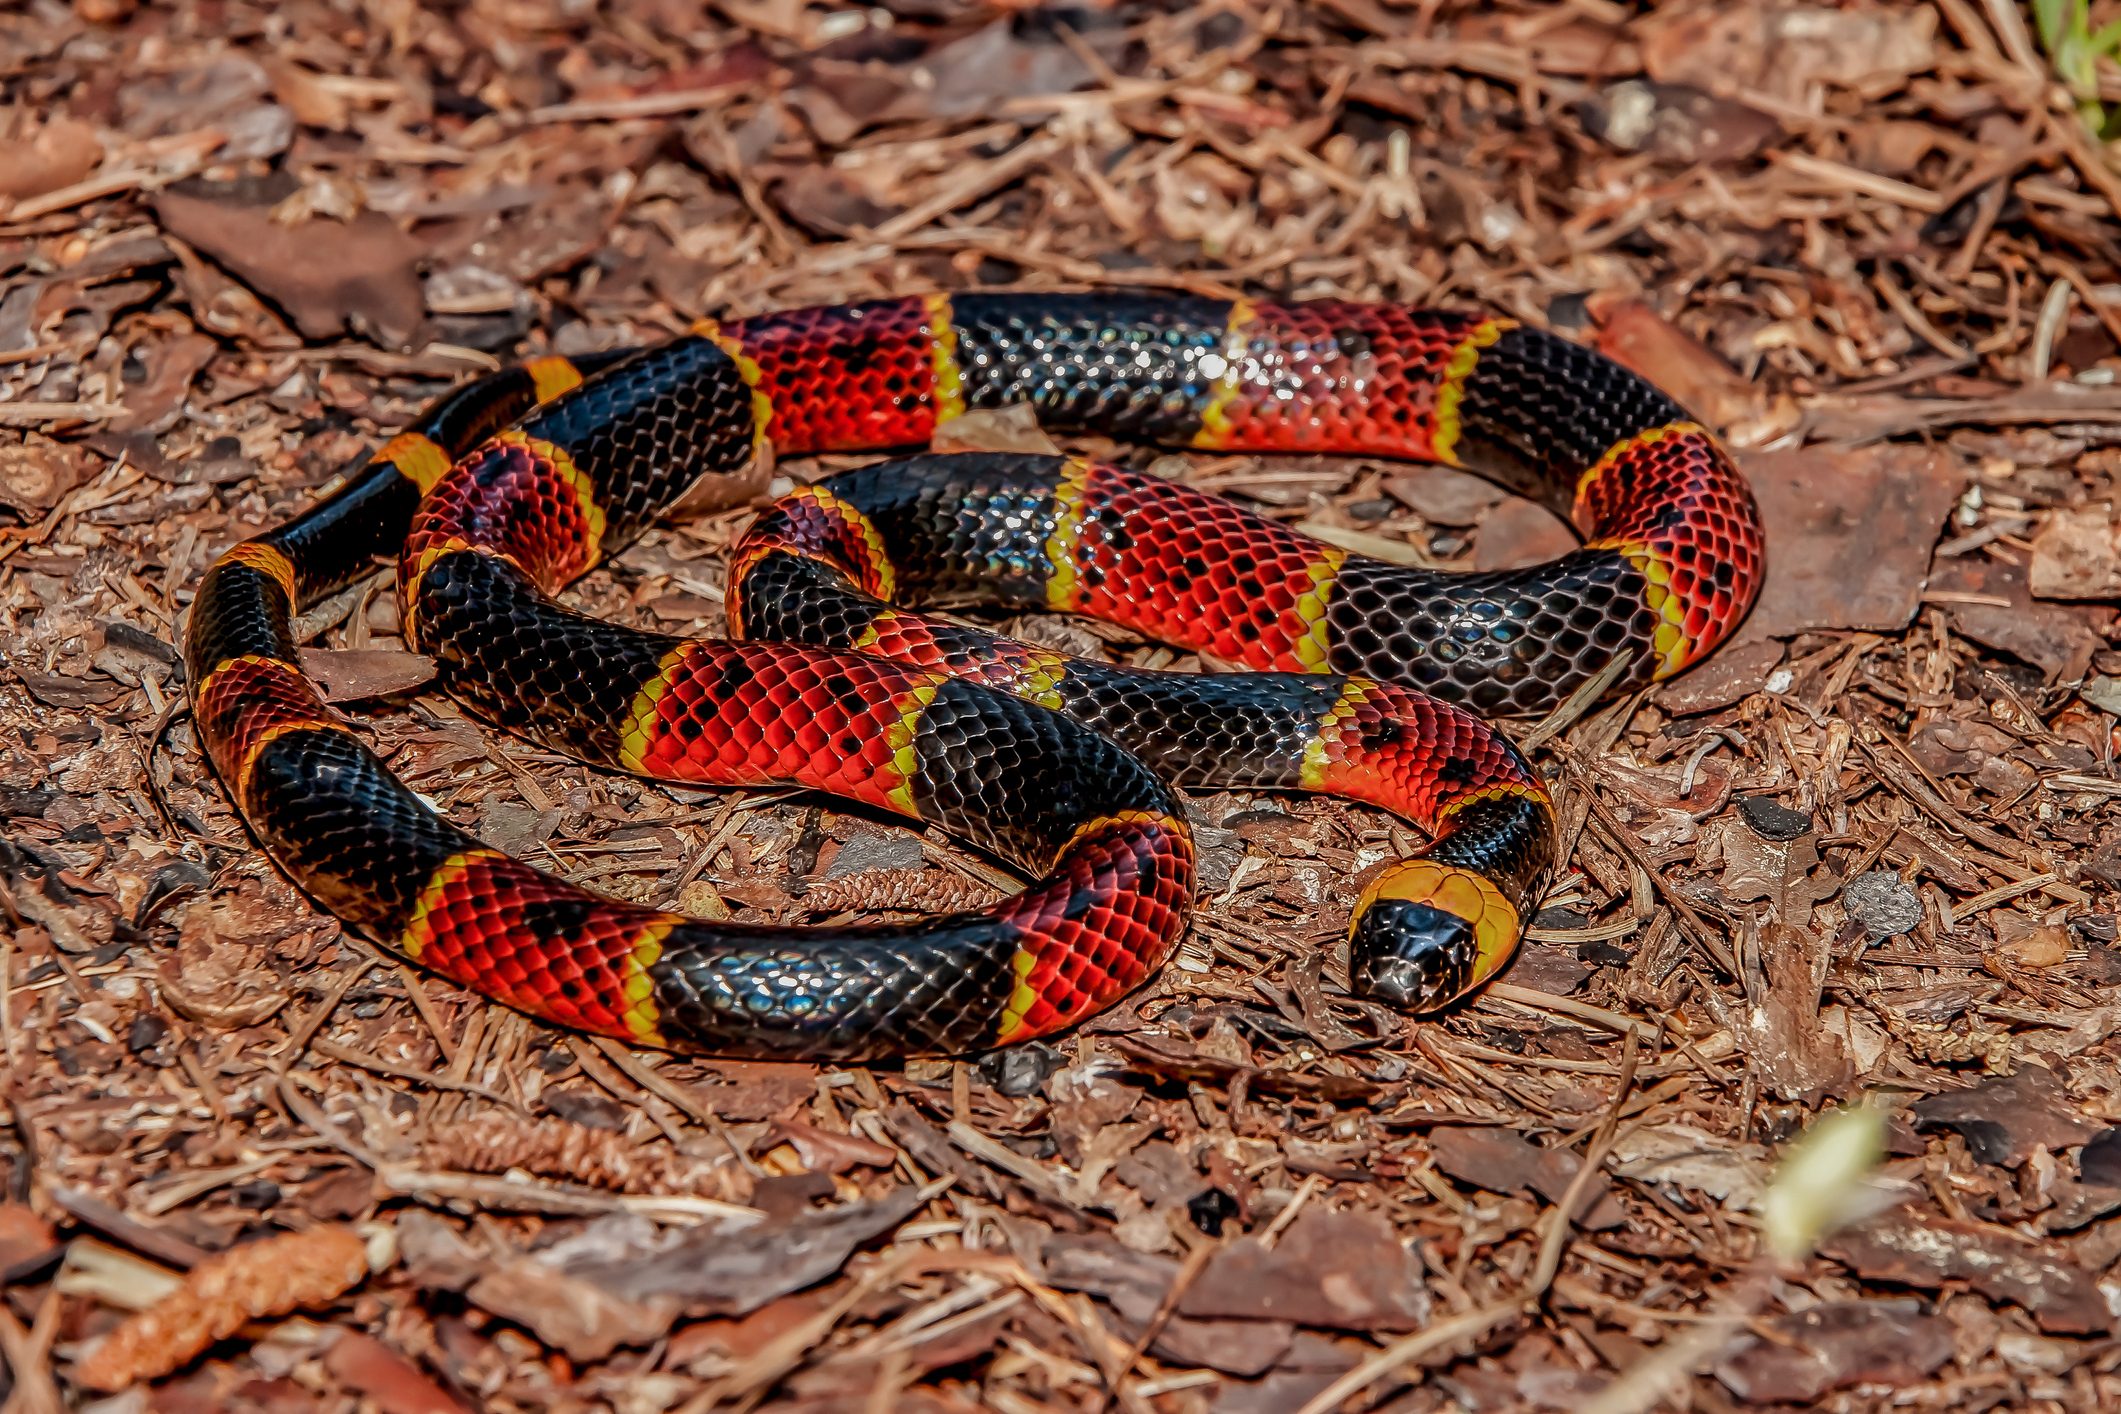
{"x":1883,"y":903}
{"x":2100,"y":1162}
{"x":1021,"y":1070}
{"x":1677,"y":122}
{"x":1210,"y":1209}
{"x":875,"y":850}
{"x":1771,"y":819}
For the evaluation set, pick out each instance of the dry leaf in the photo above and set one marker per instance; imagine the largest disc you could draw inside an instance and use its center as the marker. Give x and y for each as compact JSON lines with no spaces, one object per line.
{"x":39,"y":156}
{"x":2077,"y":555}
{"x":1007,"y":429}
{"x":357,"y":674}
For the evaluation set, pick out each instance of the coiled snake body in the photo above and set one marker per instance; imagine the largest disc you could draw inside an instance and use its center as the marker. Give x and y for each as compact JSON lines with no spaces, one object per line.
{"x":1362,"y":679}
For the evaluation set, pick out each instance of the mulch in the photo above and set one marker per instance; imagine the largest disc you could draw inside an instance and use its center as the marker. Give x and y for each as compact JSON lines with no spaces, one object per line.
{"x":1871,"y":849}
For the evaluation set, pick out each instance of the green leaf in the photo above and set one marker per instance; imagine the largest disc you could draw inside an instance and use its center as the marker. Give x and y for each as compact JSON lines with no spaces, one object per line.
{"x":2047,"y":16}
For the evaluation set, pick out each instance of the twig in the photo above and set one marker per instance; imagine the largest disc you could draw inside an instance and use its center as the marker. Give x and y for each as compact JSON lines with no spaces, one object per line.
{"x":1196,"y":1262}
{"x":92,"y":1212}
{"x":298,"y":1040}
{"x":975,"y":183}
{"x":35,"y":412}
{"x":1579,"y":702}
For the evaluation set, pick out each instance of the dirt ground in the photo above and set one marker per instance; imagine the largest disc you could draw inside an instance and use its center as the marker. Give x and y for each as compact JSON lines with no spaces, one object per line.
{"x":1869,"y":849}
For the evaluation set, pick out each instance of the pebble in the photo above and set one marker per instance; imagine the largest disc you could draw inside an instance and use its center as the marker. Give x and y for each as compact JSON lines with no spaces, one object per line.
{"x":1771,"y":819}
{"x":1021,"y":1070}
{"x":1883,"y":903}
{"x":877,"y":850}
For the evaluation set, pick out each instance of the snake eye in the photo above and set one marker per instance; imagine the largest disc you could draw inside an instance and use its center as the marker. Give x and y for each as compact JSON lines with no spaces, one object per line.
{"x":1413,"y":956}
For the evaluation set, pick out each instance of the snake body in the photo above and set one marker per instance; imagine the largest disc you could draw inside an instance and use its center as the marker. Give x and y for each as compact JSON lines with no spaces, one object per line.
{"x":1362,"y":677}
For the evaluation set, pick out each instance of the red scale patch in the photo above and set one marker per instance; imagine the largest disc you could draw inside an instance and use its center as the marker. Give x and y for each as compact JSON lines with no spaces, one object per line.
{"x":509,"y":932}
{"x":1411,"y":754}
{"x":246,"y":701}
{"x":1331,"y":376}
{"x":1192,"y":568}
{"x":852,"y":378}
{"x":1138,"y":877}
{"x":514,"y":499}
{"x":752,"y":715}
{"x":1680,"y":498}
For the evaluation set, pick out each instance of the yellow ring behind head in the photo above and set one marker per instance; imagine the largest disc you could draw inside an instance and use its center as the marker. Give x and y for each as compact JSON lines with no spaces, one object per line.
{"x":1496,"y":923}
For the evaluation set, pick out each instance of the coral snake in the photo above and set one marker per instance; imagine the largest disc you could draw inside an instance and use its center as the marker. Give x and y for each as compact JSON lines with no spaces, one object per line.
{"x":1363,"y":677}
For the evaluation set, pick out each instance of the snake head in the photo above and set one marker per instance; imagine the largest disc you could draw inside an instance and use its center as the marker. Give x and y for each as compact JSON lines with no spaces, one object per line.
{"x":1426,"y":934}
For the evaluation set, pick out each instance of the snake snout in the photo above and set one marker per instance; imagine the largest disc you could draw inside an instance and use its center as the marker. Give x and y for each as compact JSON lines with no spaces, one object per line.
{"x":1411,"y":955}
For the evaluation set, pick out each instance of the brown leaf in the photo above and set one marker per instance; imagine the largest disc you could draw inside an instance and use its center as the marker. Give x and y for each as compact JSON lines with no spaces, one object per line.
{"x":1677,"y":122}
{"x":331,"y":277}
{"x":1785,"y":50}
{"x":2059,"y":639}
{"x":219,"y":1008}
{"x":1443,"y":495}
{"x":999,"y":63}
{"x":1504,"y":1161}
{"x":578,"y":1317}
{"x":1860,"y":557}
{"x":1136,"y":1284}
{"x":2077,"y":555}
{"x":714,"y":1270}
{"x":156,"y":401}
{"x":385,"y":1378}
{"x":1520,"y":532}
{"x":1731,"y":674}
{"x":1784,"y":872}
{"x":742,"y":1091}
{"x":1806,"y":1353}
{"x":849,"y":1380}
{"x":1779,"y":1030}
{"x":1005,"y":429}
{"x":35,"y":474}
{"x":356,"y":674}
{"x":223,"y":306}
{"x":434,"y":1254}
{"x":1344,"y":1270}
{"x":68,"y":692}
{"x":39,"y":155}
{"x":2023,"y":942}
{"x":1917,"y":1250}
{"x":1638,"y":337}
{"x":23,"y":1235}
{"x":567,"y":227}
{"x":827,"y":202}
{"x":823,"y":1151}
{"x":2004,"y":1119}
{"x":1550,"y":968}
{"x":271,"y":1277}
{"x":719,"y":1339}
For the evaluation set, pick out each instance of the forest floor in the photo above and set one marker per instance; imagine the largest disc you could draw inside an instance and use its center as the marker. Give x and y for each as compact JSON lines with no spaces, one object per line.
{"x":1868,"y":849}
